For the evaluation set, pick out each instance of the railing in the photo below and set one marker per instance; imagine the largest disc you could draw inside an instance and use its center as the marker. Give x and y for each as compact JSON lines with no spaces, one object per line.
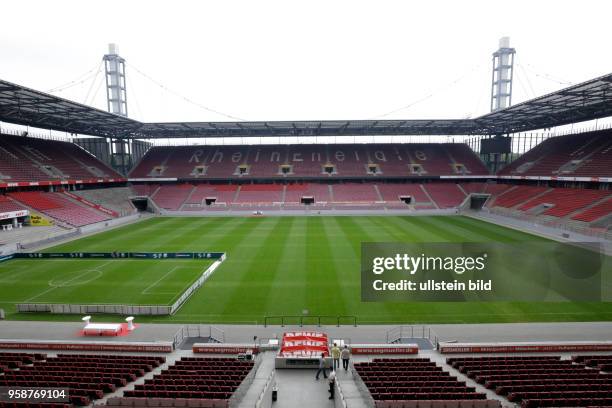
{"x":398,"y":333}
{"x":339,"y":400}
{"x":304,"y":319}
{"x":363,"y":389}
{"x":266,"y":392}
{"x":244,"y":386}
{"x":556,"y":224}
{"x":198,"y":330}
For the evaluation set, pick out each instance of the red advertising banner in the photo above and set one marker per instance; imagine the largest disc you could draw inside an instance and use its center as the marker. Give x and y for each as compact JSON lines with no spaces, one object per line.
{"x":163,"y":347}
{"x":60,"y":182}
{"x":458,"y":348}
{"x":206,"y":348}
{"x":384,"y":349}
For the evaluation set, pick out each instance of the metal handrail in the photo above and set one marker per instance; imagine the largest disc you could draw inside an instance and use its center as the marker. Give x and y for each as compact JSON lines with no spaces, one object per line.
{"x":244,"y":386}
{"x":361,"y":387}
{"x":318,"y":318}
{"x":268,"y":384}
{"x":414,"y":332}
{"x":198,"y":330}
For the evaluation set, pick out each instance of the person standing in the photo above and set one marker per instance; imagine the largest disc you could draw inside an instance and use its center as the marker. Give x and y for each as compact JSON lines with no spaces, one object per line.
{"x":322,"y":367}
{"x":346,"y":356}
{"x":335,"y":353}
{"x":332,"y":385}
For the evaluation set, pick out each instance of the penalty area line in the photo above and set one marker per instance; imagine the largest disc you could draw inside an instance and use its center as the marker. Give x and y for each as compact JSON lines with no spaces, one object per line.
{"x":145,"y":291}
{"x":52,"y":287}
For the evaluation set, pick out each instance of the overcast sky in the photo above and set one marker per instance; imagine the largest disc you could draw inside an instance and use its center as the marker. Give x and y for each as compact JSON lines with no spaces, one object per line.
{"x":287,"y":60}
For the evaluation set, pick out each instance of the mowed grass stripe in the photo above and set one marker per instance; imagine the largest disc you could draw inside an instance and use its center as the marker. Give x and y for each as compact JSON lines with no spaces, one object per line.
{"x":421,"y":231}
{"x":491,"y":232}
{"x":331,"y":299}
{"x":293,"y":269}
{"x":211,"y":300}
{"x":263,"y":268}
{"x":365,"y":229}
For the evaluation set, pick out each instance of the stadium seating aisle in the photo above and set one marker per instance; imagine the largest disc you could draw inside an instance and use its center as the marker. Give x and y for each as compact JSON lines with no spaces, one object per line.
{"x":57,"y":206}
{"x":541,"y":381}
{"x":172,"y":197}
{"x":8,"y":205}
{"x":214,"y":378}
{"x":583,"y":154}
{"x":519,"y":195}
{"x":446,"y":195}
{"x":596,"y":212}
{"x":113,"y":198}
{"x":88,"y":377}
{"x":32,"y":159}
{"x":564,"y":200}
{"x":416,"y":379}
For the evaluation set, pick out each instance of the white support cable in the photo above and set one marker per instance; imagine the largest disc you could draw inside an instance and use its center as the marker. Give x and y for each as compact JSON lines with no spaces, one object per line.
{"x":533,"y":93}
{"x":77,"y":81}
{"x":93,"y":98}
{"x":547,"y":76}
{"x":430,"y":94}
{"x":132,"y":89}
{"x":482,"y":95}
{"x":522,"y":85}
{"x":186,"y":99}
{"x":93,"y":83}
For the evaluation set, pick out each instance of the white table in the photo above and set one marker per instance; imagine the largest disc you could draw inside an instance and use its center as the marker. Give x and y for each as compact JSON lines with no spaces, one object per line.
{"x":98,"y":329}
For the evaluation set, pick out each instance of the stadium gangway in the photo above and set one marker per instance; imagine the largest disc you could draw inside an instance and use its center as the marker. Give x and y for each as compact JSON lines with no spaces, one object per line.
{"x":287,"y":319}
{"x":398,"y":333}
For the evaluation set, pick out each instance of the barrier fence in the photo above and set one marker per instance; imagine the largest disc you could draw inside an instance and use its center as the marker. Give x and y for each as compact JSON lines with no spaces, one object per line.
{"x":306,"y":319}
{"x":396,"y":334}
{"x":198,"y":331}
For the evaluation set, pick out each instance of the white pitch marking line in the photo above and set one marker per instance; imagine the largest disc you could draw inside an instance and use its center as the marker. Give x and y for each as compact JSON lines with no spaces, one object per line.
{"x":68,"y":281}
{"x":145,"y":291}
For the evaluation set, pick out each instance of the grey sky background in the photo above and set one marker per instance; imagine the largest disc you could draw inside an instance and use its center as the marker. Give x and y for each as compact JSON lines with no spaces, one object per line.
{"x":286,"y":60}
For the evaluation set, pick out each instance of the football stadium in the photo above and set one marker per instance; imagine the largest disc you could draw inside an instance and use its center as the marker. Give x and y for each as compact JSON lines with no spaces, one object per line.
{"x":147,"y":260}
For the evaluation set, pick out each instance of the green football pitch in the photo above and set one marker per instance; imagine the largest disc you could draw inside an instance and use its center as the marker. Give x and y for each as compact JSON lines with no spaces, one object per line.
{"x":275,"y":266}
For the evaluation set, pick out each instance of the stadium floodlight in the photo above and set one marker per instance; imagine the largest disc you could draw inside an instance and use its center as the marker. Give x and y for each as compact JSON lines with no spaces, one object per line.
{"x":503,"y":70}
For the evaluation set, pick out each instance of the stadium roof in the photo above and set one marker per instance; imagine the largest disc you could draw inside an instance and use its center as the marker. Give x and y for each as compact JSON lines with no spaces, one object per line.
{"x":28,"y":107}
{"x":586,"y":101}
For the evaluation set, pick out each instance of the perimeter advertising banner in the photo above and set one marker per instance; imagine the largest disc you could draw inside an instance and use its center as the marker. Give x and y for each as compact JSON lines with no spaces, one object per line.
{"x":492,"y":271}
{"x":120,"y":255}
{"x":14,"y":214}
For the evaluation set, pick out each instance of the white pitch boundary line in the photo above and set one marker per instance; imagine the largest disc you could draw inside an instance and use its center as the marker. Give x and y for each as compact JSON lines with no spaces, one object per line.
{"x":44,"y":292}
{"x":145,"y":291}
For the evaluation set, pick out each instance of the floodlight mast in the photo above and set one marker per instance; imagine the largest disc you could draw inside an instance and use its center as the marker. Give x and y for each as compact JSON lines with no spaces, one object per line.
{"x":502,"y":73}
{"x":116,"y":94}
{"x":116,"y":101}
